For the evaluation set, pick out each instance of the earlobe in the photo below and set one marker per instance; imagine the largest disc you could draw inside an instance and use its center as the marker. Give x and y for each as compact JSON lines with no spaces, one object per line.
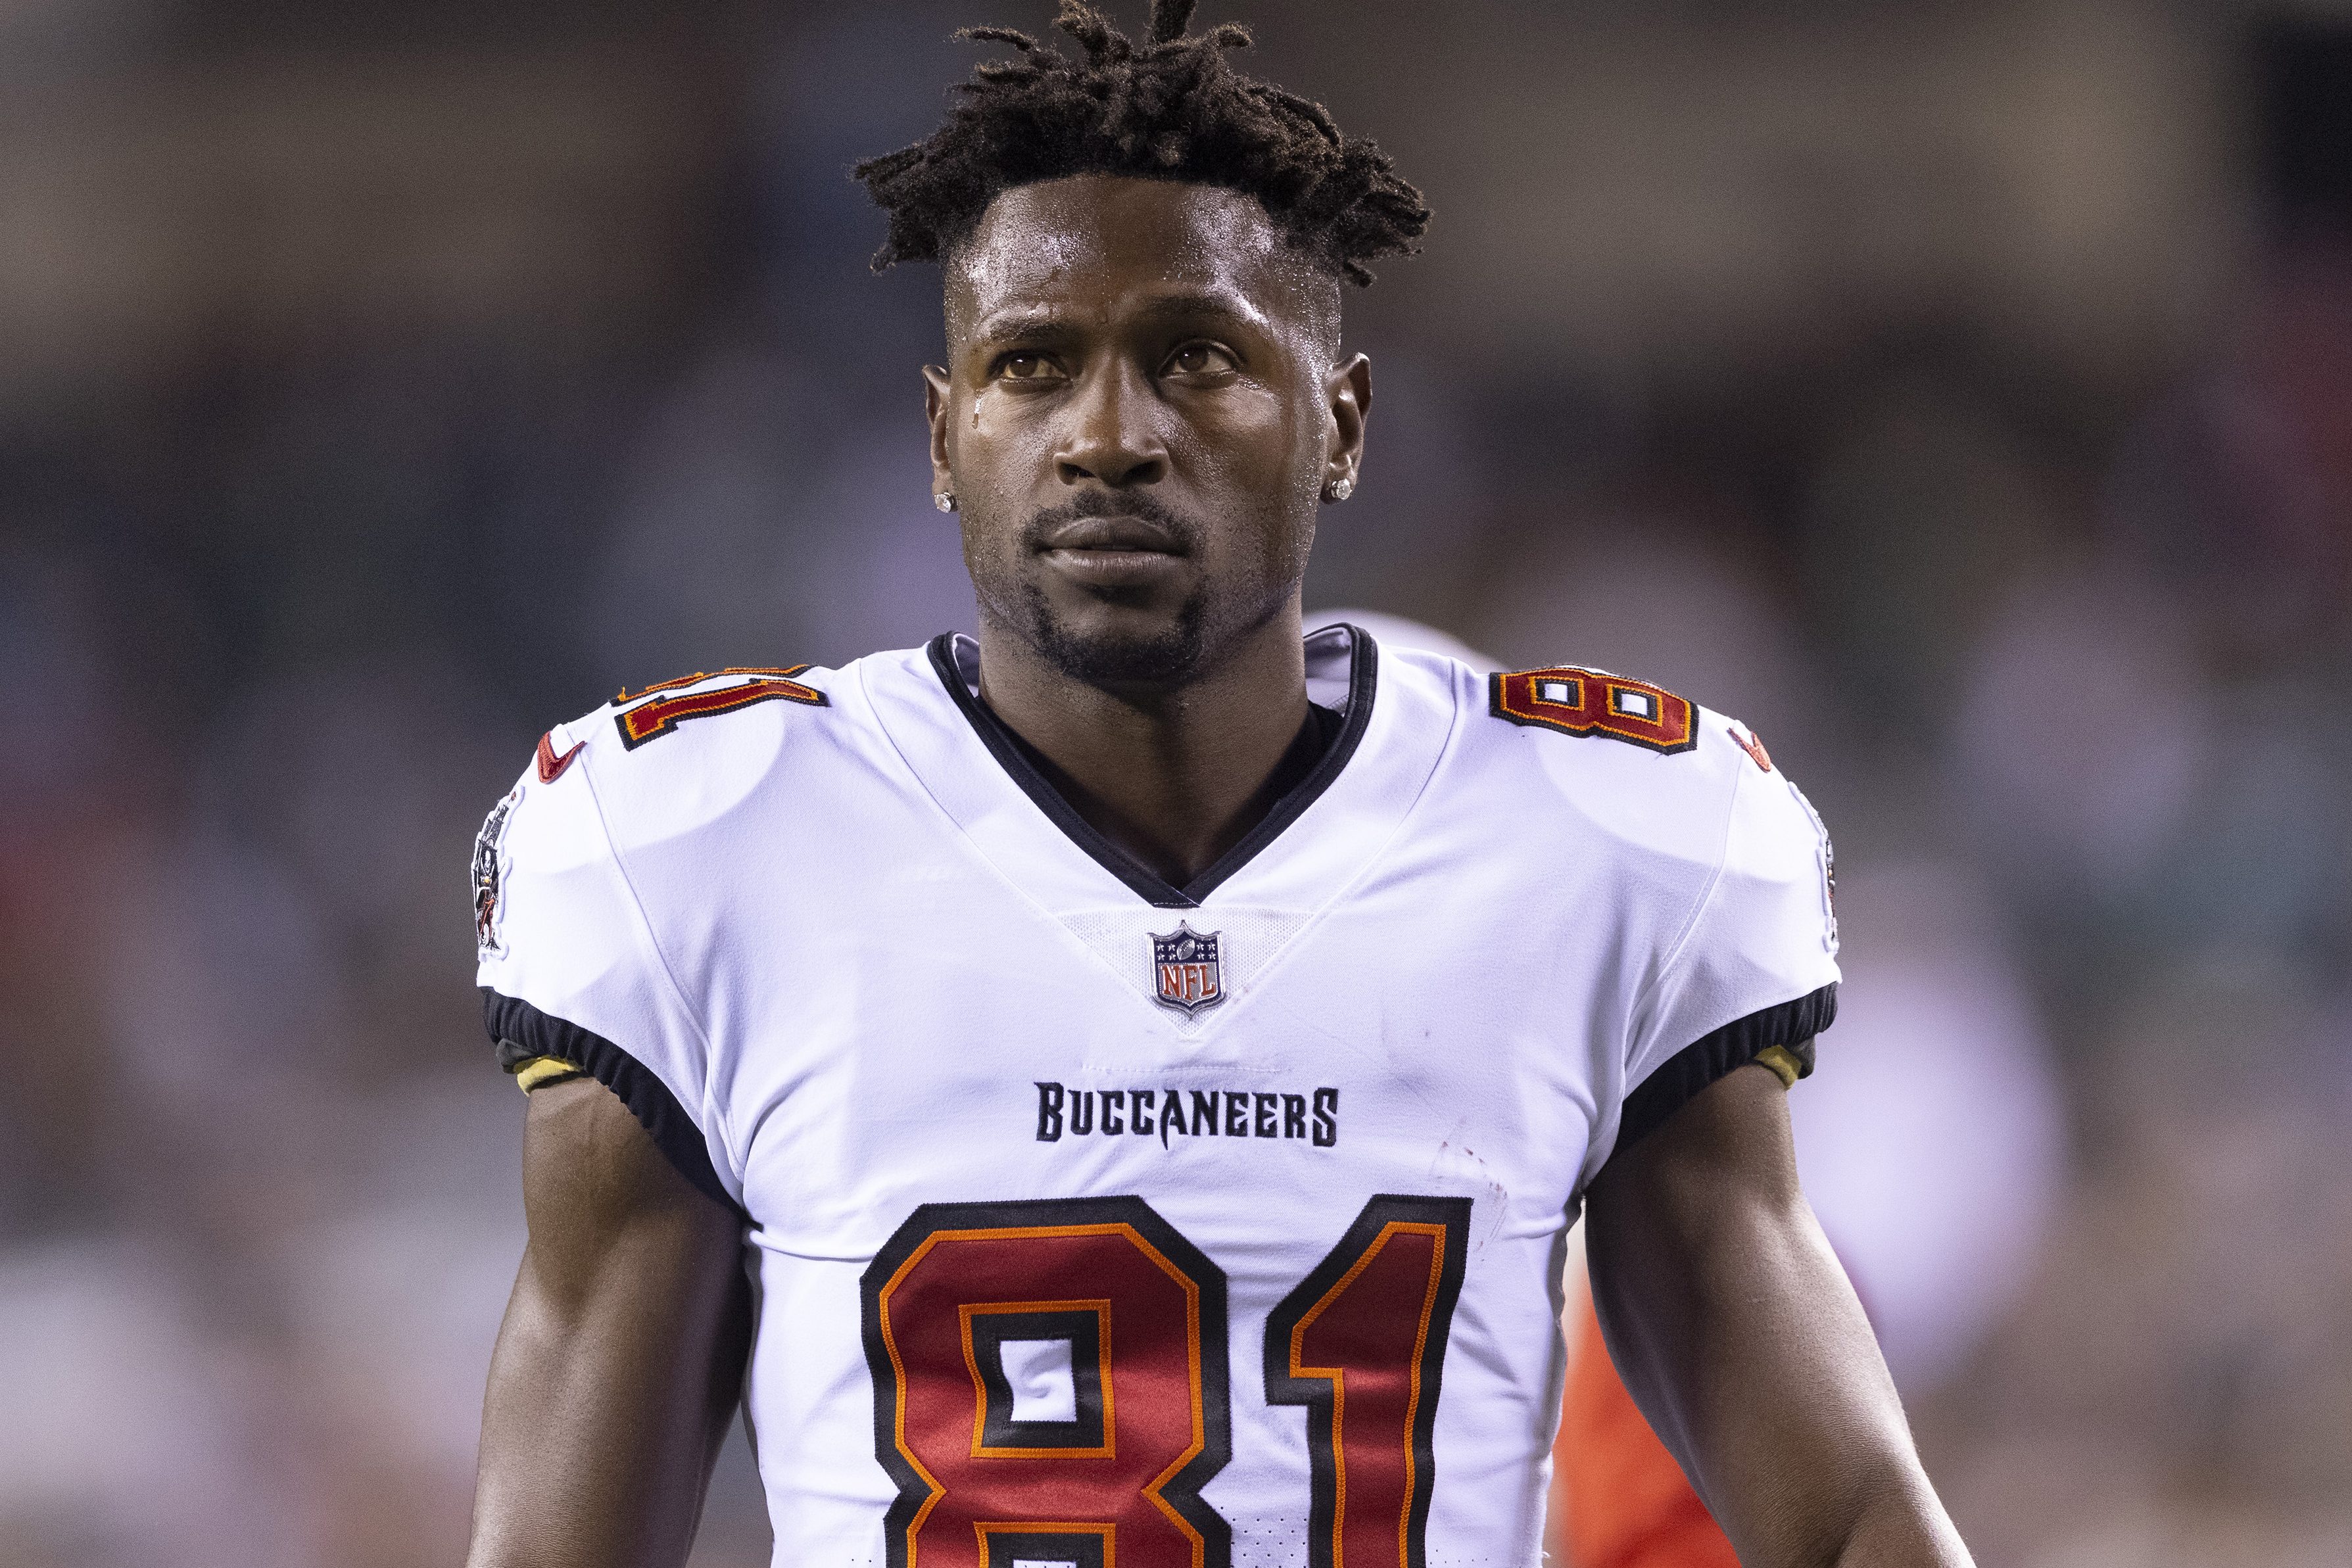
{"x":1350,"y":388}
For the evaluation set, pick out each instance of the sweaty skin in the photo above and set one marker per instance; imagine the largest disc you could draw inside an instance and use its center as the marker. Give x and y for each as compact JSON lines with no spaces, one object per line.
{"x":1142,"y":405}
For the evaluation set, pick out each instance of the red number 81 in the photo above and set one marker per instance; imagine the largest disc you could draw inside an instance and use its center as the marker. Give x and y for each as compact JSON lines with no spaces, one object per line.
{"x":1112,"y":1472}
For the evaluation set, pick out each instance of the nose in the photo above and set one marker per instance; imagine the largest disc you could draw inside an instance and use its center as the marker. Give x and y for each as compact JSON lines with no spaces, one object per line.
{"x":1112,"y":435}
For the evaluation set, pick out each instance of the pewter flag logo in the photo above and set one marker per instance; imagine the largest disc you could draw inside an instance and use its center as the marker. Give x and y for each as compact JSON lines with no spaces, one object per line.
{"x":489,"y":871}
{"x":1185,"y":963}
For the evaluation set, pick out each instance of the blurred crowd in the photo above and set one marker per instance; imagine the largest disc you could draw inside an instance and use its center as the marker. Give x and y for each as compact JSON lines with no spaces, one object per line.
{"x":1959,"y":395}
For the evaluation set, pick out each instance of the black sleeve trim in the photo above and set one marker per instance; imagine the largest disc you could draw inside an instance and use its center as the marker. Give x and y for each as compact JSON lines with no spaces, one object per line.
{"x":1791,"y":1025}
{"x":521,"y":1033}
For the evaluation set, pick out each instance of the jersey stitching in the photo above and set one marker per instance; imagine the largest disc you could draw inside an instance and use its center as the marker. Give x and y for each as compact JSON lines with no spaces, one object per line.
{"x":710,"y":1108}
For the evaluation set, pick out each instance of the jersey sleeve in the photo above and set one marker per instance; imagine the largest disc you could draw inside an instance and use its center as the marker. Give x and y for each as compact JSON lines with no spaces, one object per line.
{"x":1754,"y":975}
{"x":572,"y":980}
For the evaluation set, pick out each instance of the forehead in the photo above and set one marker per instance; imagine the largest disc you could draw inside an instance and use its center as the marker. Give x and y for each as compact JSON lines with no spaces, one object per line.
{"x":1093,"y":243}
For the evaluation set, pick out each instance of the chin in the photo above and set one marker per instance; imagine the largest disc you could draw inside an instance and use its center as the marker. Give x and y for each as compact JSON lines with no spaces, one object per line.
{"x":1144,"y":651}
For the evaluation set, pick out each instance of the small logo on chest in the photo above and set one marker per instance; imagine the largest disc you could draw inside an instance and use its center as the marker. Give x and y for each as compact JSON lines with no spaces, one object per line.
{"x":1188,"y":976}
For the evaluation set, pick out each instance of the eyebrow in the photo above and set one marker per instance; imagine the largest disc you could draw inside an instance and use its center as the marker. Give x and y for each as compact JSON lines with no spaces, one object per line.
{"x":1188,"y":304}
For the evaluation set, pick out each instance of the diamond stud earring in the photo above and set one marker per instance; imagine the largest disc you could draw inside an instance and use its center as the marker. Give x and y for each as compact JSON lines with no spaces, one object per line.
{"x":943,"y":499}
{"x":1339,"y":489}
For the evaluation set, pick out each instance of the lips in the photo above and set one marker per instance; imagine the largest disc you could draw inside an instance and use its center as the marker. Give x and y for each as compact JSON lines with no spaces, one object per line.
{"x":1122,"y":534}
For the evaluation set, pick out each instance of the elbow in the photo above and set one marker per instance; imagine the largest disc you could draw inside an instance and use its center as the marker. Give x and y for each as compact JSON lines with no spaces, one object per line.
{"x":1901,"y":1523}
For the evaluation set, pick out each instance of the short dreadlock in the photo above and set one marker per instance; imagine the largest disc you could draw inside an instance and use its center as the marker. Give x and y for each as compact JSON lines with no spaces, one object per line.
{"x":1169,"y":109}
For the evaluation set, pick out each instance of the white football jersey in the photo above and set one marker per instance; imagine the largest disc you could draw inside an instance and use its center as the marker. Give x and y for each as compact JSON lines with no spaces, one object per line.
{"x":1097,"y":1220}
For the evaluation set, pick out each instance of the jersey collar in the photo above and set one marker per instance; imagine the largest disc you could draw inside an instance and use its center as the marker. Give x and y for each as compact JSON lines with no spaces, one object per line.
{"x":1338,"y":656}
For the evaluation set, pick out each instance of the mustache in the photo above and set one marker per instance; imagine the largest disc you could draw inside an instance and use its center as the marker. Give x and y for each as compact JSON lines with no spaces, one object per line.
{"x":1181,"y":530}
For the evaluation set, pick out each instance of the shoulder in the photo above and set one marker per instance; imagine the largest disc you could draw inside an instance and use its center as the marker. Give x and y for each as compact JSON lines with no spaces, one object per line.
{"x":1649,"y":772}
{"x":675,"y":758}
{"x":662,"y":763}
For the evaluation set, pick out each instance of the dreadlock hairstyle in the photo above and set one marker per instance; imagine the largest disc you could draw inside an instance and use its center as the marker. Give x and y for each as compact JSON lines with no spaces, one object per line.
{"x":1168,"y":108}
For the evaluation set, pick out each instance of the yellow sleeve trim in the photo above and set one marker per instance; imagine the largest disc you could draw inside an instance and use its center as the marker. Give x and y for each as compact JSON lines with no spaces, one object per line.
{"x":542,"y":1071}
{"x":1784,"y":1066}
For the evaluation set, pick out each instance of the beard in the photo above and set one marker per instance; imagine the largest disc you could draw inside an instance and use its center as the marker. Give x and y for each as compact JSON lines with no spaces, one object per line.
{"x":1169,"y":657}
{"x":1169,"y":653}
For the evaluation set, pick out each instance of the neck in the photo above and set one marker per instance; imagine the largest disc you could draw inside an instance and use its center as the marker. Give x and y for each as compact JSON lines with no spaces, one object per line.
{"x":1173,"y":776}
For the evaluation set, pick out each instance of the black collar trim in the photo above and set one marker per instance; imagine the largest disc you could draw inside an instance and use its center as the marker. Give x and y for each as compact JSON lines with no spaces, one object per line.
{"x":1363,"y":674}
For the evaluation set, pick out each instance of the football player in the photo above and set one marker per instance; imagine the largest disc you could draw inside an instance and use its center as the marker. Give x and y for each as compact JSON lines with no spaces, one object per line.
{"x":1114,"y":1091}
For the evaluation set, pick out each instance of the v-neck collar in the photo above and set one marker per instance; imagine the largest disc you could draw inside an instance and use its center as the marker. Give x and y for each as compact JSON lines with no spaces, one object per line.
{"x":948,"y":654}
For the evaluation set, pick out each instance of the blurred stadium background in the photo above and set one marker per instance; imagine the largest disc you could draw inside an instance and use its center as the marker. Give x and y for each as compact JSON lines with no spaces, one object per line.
{"x":1962,"y":394}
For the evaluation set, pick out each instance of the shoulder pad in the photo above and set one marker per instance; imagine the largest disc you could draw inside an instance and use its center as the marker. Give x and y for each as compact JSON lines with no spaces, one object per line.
{"x":1648,"y":767}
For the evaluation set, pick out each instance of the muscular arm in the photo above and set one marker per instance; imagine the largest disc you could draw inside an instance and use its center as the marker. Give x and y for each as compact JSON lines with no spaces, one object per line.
{"x":622,"y":1356}
{"x":1735,"y":1330}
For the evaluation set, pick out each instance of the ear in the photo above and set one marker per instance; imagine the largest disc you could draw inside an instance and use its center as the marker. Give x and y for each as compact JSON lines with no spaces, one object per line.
{"x":935,"y":409}
{"x":1348,"y":392}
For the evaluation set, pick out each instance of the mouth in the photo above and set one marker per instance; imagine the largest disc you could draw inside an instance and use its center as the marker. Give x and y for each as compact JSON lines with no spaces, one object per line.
{"x":1120,"y":535}
{"x":1121,"y":553}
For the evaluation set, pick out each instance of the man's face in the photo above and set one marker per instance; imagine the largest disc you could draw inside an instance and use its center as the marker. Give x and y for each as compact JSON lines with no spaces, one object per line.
{"x":1138,"y":419}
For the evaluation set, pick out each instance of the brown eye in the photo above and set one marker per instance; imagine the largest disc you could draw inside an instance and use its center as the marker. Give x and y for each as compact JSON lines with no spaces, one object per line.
{"x":1025,"y":367}
{"x":1200,"y":359}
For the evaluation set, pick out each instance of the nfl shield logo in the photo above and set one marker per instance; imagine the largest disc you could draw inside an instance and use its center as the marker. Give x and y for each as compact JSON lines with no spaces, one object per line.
{"x":1185,"y":964}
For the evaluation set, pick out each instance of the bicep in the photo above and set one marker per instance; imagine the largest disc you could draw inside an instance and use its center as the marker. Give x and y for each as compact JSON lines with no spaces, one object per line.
{"x":621,"y":1357}
{"x":1735,"y":1327}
